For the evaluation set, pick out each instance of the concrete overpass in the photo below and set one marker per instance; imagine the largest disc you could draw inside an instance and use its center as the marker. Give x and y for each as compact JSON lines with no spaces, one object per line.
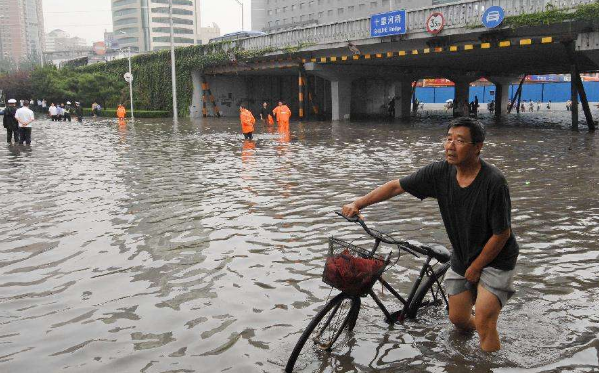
{"x":346,"y":72}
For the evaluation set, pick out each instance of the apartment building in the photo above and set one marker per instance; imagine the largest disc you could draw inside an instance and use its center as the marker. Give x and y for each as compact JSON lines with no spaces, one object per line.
{"x":21,"y":29}
{"x":60,"y":41}
{"x":144,"y":25}
{"x":276,"y":15}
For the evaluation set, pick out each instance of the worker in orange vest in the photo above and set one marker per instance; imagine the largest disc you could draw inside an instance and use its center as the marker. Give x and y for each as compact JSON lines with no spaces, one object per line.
{"x":276,"y":110}
{"x":247,"y":122}
{"x":121,"y":112}
{"x":284,"y":114}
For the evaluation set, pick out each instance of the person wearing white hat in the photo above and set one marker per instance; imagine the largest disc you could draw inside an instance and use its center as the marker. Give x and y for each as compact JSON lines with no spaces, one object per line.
{"x":25,"y":117}
{"x":10,"y":122}
{"x":67,"y":112}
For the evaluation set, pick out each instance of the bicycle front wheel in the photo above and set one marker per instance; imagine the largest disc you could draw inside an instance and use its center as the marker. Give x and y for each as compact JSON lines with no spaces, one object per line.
{"x":430,"y":292}
{"x":328,"y":324}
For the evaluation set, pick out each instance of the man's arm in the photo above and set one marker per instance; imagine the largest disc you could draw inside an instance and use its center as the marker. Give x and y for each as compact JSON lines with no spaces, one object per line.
{"x":492,"y":248}
{"x":382,"y":193}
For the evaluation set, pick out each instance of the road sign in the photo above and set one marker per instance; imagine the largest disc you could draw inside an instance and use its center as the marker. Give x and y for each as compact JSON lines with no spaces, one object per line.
{"x":128,"y":77}
{"x":435,"y":23}
{"x":493,"y":16}
{"x":390,"y":23}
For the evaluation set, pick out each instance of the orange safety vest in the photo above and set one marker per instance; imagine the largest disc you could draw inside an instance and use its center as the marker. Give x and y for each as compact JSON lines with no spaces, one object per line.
{"x":121,"y":111}
{"x":284,"y":114}
{"x":275,"y":111}
{"x":247,"y":121}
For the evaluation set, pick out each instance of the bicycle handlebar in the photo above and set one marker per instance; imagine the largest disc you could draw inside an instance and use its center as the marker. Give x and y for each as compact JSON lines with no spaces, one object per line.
{"x":412,"y":249}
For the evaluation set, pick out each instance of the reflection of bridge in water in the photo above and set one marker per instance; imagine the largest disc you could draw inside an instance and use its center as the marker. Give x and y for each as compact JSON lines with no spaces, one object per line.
{"x":344,"y":72}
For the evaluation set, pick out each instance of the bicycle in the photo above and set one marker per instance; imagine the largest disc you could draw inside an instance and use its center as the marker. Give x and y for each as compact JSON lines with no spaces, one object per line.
{"x":341,"y":312}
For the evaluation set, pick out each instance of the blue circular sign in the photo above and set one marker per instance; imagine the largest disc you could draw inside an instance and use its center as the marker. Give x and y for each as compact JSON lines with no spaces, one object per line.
{"x":493,"y":16}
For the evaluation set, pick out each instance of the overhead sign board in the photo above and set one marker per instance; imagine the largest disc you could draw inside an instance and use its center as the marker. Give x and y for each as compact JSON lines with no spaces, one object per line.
{"x":390,"y":23}
{"x":493,"y":16}
{"x":435,"y":23}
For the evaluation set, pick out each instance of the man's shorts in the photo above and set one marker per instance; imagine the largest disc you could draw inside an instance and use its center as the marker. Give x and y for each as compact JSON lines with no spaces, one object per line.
{"x":498,"y":282}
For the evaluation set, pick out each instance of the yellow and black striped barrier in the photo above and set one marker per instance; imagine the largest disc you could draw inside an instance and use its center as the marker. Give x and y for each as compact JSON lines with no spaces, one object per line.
{"x":425,"y":51}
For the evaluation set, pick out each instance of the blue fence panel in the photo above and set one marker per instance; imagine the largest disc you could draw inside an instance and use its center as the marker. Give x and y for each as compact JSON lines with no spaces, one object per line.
{"x":443,"y":94}
{"x":556,"y":92}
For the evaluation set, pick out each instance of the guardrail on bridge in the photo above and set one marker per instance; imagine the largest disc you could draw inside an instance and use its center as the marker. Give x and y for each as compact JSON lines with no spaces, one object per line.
{"x":462,"y":14}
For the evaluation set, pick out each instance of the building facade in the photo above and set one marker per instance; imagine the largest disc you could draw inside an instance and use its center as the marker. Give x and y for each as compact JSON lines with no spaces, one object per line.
{"x":60,"y":41}
{"x":277,"y":15}
{"x":21,"y":30}
{"x":144,"y":25}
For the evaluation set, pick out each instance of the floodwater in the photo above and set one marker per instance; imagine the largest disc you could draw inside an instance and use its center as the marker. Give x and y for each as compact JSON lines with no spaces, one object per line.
{"x":155,"y":247}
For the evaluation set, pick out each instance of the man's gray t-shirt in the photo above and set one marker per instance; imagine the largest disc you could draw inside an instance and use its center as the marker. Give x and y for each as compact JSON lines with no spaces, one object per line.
{"x":472,"y":214}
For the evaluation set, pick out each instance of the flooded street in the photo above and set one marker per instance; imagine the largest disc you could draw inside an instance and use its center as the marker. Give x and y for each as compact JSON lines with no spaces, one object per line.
{"x":181,"y":248}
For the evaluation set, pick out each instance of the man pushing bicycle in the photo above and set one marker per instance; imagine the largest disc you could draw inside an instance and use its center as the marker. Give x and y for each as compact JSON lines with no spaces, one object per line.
{"x":475,"y":205}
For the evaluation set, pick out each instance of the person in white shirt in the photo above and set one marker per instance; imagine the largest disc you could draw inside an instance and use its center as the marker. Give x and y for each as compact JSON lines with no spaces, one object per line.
{"x":53,"y":112}
{"x":25,"y":118}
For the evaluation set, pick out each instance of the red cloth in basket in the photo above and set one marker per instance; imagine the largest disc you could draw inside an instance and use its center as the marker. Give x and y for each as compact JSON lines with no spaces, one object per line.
{"x":352,"y":274}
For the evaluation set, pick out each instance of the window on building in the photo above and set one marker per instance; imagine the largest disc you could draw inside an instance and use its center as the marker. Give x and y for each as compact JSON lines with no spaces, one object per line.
{"x":311,"y":16}
{"x":311,"y":3}
{"x":320,"y":14}
{"x":340,"y":11}
{"x":350,"y":9}
{"x":361,"y":7}
{"x":302,"y":18}
{"x":270,"y":12}
{"x":320,"y":2}
{"x":301,"y":5}
{"x":385,"y":4}
{"x":373,"y":4}
{"x":284,"y":9}
{"x":330,"y":13}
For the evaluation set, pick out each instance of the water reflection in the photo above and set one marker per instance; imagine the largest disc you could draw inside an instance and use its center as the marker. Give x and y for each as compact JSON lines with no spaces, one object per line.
{"x":154,"y":247}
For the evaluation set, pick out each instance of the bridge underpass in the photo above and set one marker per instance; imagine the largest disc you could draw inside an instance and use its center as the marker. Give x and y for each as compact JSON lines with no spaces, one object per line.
{"x":357,"y":78}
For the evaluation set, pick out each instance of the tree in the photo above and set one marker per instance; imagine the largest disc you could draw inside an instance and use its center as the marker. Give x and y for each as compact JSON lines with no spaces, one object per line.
{"x":16,"y":85}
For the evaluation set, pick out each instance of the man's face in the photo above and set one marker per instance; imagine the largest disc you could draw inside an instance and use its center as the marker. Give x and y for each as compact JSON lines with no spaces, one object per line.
{"x":459,"y":148}
{"x":264,"y":104}
{"x":280,"y":103}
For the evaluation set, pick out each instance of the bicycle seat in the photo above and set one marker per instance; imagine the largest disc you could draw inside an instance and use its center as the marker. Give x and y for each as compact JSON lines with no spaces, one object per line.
{"x":439,"y":252}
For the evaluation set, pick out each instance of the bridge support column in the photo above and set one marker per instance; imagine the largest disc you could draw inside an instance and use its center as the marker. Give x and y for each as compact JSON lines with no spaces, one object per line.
{"x":502,"y":94}
{"x":341,"y":99}
{"x":462,"y":92}
{"x":195,"y":111}
{"x":402,"y":91}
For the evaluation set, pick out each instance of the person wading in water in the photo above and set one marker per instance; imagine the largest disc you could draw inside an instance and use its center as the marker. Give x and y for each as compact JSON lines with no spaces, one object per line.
{"x":475,"y":205}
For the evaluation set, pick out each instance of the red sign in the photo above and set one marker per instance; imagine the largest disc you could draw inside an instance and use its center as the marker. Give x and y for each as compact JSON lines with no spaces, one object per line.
{"x":99,"y":48}
{"x":435,"y":23}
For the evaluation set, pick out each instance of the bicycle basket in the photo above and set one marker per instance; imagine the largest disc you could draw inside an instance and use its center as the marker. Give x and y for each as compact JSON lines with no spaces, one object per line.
{"x":351,"y":268}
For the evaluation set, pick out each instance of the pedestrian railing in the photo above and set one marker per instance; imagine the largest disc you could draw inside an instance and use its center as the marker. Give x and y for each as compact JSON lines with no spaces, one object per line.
{"x":457,"y":15}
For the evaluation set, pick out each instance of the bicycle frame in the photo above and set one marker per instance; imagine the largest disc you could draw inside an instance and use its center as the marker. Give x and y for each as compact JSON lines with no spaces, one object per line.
{"x":425,"y":270}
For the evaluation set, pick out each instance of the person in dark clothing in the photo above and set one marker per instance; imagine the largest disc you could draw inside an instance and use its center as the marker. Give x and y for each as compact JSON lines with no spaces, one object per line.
{"x":264,"y":112}
{"x":474,"y":201}
{"x":10,"y":122}
{"x":79,"y":112}
{"x":391,"y":108}
{"x":67,"y":112}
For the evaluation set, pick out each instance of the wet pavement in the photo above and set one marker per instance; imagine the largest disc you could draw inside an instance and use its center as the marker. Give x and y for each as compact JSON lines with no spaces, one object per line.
{"x":155,"y":247}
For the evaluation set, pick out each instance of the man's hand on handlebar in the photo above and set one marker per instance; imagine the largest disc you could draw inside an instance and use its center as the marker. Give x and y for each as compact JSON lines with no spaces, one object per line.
{"x":350,"y":210}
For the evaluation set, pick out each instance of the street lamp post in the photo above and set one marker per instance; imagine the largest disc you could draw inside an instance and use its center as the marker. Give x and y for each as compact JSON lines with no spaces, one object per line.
{"x":173,"y":69}
{"x":130,"y":81}
{"x":240,"y":2}
{"x":130,"y":76}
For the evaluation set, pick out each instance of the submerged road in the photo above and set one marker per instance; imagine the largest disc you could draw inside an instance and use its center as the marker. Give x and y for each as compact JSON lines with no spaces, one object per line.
{"x":154,"y":247}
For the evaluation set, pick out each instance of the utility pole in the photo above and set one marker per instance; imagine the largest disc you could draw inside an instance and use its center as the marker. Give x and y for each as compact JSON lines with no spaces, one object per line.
{"x":240,"y":2}
{"x":130,"y":82}
{"x":173,"y":71}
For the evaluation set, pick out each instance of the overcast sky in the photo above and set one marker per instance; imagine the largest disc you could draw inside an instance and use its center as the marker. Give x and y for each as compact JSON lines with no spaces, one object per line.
{"x":89,"y":18}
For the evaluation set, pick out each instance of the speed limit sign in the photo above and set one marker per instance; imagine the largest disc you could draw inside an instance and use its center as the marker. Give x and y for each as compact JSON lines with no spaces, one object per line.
{"x":435,"y":23}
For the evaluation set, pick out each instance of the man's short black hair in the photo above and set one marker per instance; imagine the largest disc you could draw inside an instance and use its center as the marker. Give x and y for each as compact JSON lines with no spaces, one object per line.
{"x":25,"y":103}
{"x":477,"y":130}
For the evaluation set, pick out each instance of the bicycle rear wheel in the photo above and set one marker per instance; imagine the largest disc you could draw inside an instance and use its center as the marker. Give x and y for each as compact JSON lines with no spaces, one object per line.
{"x":326,"y":327}
{"x":430,"y":292}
